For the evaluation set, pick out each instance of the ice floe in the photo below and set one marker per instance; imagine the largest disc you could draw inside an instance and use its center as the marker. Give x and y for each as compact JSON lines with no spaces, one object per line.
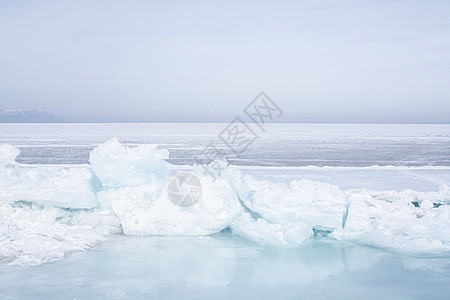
{"x":47,"y":211}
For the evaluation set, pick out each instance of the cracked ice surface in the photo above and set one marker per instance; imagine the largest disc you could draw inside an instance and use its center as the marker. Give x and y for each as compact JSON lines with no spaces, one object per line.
{"x":48,"y":211}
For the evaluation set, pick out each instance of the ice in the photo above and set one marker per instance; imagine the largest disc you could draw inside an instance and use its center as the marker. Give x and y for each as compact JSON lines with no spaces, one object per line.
{"x":287,"y":214}
{"x":66,"y":187}
{"x":31,"y":235}
{"x":125,"y":191}
{"x":8,"y":155}
{"x":262,"y":232}
{"x":48,"y":211}
{"x":390,"y":220}
{"x":147,"y":210}
{"x":60,"y":187}
{"x":135,"y":187}
{"x":226,"y":267}
{"x":308,"y":212}
{"x":8,"y":165}
{"x":117,"y":165}
{"x":37,"y":209}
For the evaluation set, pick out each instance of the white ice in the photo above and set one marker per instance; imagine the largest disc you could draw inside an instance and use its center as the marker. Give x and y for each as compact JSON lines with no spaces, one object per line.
{"x":47,"y":211}
{"x":117,"y":165}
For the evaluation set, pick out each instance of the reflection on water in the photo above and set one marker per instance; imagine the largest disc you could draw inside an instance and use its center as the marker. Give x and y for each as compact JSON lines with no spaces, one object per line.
{"x":226,"y":267}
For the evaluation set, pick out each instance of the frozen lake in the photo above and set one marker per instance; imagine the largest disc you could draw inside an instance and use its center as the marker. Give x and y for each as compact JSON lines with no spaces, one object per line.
{"x":381,"y":161}
{"x":280,"y":144}
{"x":221,"y":267}
{"x":408,"y":156}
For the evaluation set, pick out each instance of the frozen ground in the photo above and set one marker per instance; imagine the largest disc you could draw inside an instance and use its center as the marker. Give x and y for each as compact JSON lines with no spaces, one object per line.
{"x":303,"y":208}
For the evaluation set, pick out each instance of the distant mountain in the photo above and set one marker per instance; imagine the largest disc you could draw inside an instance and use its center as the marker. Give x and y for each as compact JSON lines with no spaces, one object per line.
{"x":27,"y":116}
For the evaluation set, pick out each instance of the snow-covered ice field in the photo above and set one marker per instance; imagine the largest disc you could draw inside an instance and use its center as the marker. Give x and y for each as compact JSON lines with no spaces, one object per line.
{"x":308,"y":211}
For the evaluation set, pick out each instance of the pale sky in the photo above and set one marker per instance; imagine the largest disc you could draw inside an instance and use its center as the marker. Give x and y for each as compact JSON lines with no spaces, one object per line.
{"x":204,"y":61}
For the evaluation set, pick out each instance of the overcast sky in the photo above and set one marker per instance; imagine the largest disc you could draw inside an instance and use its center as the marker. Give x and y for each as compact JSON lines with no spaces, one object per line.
{"x":177,"y":61}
